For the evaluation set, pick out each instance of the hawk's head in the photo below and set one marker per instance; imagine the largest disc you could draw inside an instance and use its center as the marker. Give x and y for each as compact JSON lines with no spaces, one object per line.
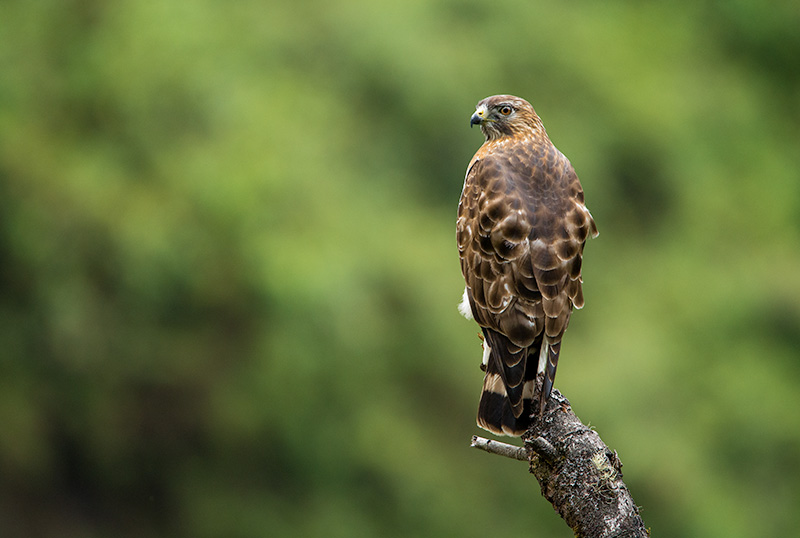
{"x":505,"y":115}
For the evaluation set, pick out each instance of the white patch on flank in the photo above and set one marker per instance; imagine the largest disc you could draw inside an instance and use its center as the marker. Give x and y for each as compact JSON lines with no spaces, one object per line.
{"x":486,"y":352}
{"x":463,"y":306}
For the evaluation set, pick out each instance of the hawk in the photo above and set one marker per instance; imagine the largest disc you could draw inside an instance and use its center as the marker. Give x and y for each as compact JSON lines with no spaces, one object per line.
{"x":522,"y":225}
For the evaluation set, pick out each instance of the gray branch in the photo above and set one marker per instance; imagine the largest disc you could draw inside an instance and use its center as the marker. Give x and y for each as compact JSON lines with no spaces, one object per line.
{"x":578,"y":474}
{"x":501,"y":449}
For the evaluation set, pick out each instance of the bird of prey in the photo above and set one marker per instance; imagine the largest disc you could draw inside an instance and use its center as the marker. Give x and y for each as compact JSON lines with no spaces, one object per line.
{"x":522,"y":225}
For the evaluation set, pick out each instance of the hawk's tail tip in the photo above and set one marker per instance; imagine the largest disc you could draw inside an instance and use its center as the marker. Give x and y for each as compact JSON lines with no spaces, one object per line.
{"x":496,"y":415}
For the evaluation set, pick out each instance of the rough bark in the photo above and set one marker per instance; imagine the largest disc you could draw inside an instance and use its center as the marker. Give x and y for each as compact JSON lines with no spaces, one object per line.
{"x":578,"y":474}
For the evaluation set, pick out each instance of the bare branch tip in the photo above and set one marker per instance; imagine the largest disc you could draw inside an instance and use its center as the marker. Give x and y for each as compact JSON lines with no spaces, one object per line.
{"x":501,"y":449}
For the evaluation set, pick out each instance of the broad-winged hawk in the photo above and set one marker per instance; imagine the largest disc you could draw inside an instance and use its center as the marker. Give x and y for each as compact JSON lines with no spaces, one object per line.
{"x":522,"y":225}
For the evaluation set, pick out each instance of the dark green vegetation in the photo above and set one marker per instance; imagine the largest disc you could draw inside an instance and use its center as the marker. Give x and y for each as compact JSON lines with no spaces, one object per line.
{"x":228,"y":275}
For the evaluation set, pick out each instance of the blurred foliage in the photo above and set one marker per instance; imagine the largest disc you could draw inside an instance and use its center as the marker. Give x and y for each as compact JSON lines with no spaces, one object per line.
{"x":228,"y":274}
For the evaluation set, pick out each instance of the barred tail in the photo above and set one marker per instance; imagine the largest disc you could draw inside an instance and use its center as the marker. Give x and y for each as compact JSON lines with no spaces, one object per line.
{"x":495,"y":413}
{"x":508,"y":387}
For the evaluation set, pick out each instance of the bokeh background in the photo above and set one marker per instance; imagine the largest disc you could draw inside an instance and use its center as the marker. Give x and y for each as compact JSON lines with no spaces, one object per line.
{"x":228,"y":273}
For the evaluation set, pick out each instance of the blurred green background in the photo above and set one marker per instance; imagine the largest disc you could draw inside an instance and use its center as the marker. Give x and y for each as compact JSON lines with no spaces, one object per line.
{"x":228,"y":273}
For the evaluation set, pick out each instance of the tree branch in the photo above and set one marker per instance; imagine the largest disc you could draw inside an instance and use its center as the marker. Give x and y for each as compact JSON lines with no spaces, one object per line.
{"x":577,"y":473}
{"x":501,"y":449}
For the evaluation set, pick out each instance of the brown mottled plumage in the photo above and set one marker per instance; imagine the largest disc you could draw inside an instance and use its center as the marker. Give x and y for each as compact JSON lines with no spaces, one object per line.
{"x":521,"y":228}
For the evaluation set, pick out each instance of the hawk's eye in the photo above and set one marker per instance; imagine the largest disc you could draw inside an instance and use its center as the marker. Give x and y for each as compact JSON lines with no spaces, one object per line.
{"x":505,"y":110}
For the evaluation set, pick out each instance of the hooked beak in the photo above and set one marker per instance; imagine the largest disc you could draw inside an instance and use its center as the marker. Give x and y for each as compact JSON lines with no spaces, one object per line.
{"x":478,"y":117}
